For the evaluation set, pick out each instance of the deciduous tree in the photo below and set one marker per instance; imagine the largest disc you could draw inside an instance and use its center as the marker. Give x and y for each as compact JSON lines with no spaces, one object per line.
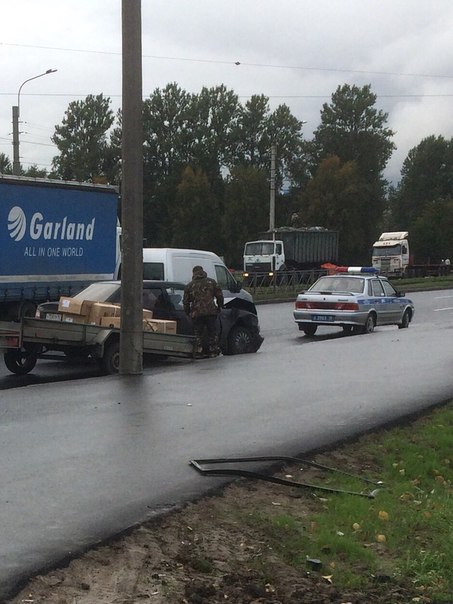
{"x":82,"y":139}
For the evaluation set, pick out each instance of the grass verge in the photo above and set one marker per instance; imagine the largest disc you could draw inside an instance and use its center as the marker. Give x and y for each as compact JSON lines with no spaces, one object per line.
{"x":402,"y":539}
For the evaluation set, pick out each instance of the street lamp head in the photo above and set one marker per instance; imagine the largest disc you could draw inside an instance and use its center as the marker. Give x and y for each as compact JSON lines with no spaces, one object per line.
{"x":51,"y":71}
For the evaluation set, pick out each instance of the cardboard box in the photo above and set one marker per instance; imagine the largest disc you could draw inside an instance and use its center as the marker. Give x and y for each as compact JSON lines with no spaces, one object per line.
{"x":114,"y":322}
{"x":74,"y":306}
{"x":159,"y":325}
{"x":102,"y":309}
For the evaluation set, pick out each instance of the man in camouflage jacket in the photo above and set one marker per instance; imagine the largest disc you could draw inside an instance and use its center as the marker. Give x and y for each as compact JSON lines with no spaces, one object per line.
{"x":203,"y":299}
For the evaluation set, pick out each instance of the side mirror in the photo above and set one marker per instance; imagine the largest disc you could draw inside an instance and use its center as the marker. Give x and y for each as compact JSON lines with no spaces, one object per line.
{"x":400,"y":294}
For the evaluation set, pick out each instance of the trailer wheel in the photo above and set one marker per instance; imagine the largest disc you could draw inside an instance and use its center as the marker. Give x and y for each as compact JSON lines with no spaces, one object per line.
{"x":110,"y":362}
{"x":20,"y":362}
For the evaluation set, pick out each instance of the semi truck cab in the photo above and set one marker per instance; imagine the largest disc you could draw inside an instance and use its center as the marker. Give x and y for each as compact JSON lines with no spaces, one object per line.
{"x":391,"y":253}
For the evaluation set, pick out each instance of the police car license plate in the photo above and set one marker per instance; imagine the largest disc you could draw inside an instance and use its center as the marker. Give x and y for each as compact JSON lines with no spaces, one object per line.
{"x":323,"y":318}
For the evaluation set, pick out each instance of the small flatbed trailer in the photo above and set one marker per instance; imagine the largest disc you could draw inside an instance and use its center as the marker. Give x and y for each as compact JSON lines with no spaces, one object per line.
{"x":24,"y":342}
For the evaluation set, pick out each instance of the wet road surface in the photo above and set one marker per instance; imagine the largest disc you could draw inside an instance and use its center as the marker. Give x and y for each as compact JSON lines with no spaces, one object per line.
{"x":85,"y":459}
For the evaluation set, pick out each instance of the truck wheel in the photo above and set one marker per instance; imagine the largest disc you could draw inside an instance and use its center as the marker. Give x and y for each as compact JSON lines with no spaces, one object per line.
{"x":240,"y":340}
{"x":20,"y":362}
{"x":110,"y":362}
{"x":405,"y":320}
{"x":309,"y":330}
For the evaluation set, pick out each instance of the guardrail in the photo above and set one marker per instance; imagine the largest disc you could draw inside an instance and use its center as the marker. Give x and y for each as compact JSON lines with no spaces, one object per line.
{"x":284,"y":284}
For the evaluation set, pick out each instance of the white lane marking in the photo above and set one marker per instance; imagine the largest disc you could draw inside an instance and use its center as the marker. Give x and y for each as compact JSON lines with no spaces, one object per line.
{"x":440,"y":309}
{"x":440,"y":297}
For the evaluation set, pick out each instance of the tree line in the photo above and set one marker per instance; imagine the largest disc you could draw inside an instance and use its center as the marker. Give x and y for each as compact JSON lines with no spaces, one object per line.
{"x":207,"y":170}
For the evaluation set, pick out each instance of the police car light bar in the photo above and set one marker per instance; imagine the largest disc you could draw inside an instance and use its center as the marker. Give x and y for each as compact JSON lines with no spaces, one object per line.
{"x":356,"y":269}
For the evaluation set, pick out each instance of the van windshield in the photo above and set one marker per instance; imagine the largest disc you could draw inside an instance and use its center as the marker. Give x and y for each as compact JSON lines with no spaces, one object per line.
{"x":153,"y":271}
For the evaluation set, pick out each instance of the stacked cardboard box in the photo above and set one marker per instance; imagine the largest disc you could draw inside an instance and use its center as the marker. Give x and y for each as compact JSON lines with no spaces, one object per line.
{"x":159,"y":325}
{"x":115,"y":320}
{"x":75,"y":311}
{"x":95,"y":313}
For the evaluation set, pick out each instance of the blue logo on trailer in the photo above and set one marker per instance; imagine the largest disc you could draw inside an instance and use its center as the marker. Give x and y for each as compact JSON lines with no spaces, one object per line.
{"x":53,"y":230}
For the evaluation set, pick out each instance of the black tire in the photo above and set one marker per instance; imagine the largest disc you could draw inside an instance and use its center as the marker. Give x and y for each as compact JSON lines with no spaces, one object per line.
{"x":20,"y":362}
{"x":110,"y":362}
{"x":309,"y":330}
{"x":370,"y":324}
{"x":240,"y":340}
{"x":347,"y":329}
{"x":406,"y":319}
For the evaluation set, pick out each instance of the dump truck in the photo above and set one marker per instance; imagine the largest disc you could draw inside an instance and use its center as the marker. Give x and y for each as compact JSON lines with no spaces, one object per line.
{"x":287,"y":248}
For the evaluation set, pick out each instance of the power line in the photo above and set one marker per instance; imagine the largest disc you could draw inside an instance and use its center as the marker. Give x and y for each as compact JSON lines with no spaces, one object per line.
{"x":238,"y":63}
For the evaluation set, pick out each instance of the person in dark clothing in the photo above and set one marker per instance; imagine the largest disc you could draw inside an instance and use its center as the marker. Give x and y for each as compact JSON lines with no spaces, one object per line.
{"x":203,"y":299}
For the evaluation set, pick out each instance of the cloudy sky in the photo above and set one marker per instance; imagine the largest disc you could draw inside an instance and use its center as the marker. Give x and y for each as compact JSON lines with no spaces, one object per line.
{"x":294,"y":51}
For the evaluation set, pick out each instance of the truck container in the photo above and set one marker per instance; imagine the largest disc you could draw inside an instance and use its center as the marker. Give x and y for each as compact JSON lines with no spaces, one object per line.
{"x":288,"y":248}
{"x":56,"y":237}
{"x":393,"y":257}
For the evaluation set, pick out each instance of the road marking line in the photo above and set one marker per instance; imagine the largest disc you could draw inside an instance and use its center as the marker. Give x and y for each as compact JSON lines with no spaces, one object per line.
{"x":439,"y":309}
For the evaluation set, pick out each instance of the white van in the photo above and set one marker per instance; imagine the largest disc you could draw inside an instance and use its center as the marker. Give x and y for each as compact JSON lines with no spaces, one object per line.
{"x":173,"y":264}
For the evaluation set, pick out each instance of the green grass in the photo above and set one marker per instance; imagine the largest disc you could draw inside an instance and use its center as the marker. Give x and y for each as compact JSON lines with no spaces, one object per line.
{"x":405,"y":534}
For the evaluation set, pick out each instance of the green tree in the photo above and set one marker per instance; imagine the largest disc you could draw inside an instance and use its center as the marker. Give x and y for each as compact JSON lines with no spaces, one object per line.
{"x":252,"y":137}
{"x":196,"y":218}
{"x":36,"y":172}
{"x":82,"y":139}
{"x":336,"y":198}
{"x":355,"y":131}
{"x":431,"y":232}
{"x":427,"y":176}
{"x":246,"y":211}
{"x":5,"y":164}
{"x":213,"y":132}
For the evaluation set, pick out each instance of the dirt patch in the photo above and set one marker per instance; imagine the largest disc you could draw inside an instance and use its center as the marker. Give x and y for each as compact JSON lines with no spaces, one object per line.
{"x":212,"y":552}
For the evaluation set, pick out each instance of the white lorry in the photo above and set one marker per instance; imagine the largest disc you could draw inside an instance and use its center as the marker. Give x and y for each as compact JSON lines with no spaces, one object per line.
{"x":392,"y":257}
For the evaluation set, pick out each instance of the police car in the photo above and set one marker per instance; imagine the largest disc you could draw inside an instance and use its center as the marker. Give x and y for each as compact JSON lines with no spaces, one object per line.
{"x":356,"y":299}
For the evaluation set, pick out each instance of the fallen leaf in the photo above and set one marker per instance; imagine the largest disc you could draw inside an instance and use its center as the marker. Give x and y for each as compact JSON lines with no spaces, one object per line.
{"x":383,"y":515}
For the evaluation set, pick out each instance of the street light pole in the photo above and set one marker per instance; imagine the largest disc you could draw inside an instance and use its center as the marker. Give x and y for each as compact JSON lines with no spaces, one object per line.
{"x":16,"y":161}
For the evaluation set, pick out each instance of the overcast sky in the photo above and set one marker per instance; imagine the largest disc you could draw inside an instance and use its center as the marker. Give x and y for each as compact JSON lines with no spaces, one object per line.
{"x":294,"y":51}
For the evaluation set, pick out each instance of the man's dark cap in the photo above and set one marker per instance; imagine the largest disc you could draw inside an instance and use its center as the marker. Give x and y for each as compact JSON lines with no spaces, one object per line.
{"x":197,"y":270}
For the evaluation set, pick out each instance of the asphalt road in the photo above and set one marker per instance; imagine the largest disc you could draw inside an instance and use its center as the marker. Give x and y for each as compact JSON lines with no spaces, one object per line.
{"x":85,"y":459}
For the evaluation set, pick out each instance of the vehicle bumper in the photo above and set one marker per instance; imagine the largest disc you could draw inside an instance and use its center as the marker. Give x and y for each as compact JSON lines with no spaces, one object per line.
{"x":330,"y":318}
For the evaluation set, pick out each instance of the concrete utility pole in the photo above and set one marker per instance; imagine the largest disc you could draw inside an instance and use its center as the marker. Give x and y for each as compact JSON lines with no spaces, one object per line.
{"x":272,"y":191}
{"x":16,"y":112}
{"x":131,"y":335}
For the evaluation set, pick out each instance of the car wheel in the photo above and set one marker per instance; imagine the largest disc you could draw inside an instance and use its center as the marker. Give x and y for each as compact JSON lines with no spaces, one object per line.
{"x":347,"y":329}
{"x":239,"y":340}
{"x":406,"y":319}
{"x":309,"y":330}
{"x":369,"y":324}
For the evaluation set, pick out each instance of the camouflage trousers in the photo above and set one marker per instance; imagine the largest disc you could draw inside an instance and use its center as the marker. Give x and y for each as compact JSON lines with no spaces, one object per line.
{"x":205,"y":330}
